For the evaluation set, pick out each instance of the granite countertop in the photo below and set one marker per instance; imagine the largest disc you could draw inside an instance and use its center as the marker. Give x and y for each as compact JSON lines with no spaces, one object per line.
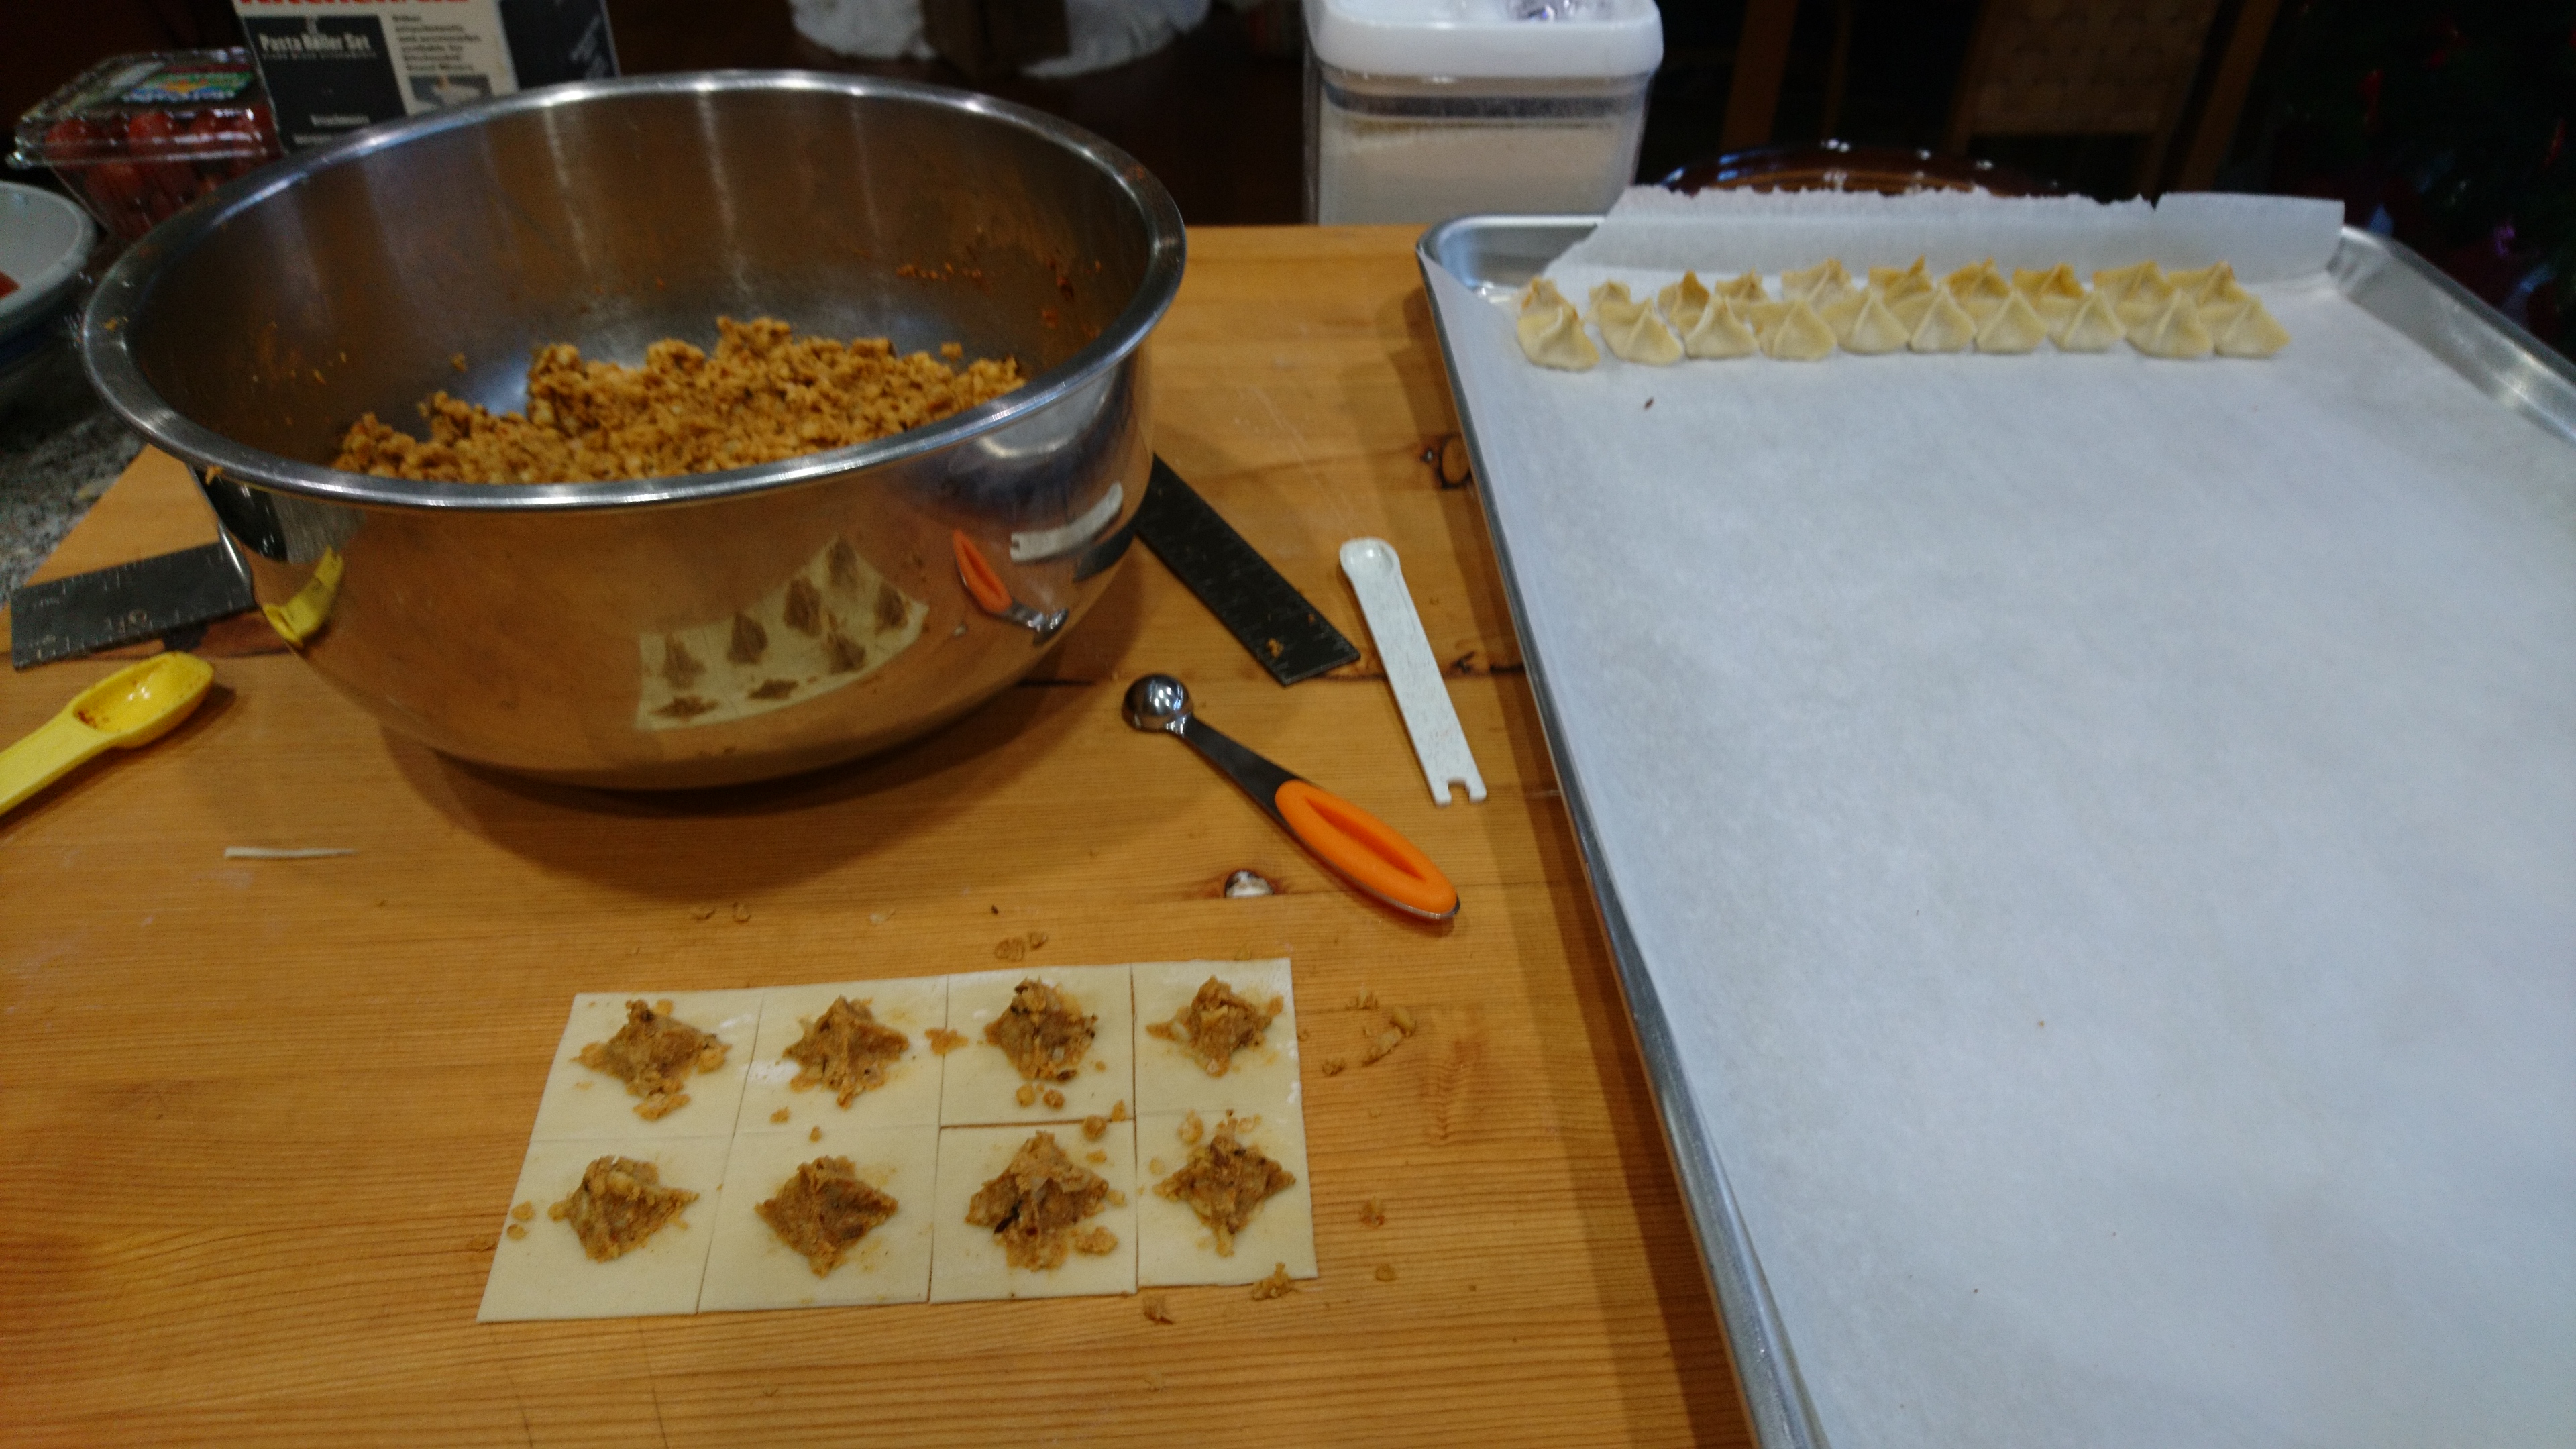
{"x":60,"y":448}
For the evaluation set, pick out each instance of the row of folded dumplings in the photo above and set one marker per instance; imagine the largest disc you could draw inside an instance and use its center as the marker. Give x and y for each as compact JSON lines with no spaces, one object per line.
{"x":1822,"y":308}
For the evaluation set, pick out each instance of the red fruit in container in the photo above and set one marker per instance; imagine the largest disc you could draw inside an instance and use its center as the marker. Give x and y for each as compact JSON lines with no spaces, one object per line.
{"x":138,"y":137}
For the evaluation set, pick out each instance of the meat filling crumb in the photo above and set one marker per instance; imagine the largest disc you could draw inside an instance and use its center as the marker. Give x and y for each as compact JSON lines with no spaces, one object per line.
{"x":1274,"y":1286}
{"x":1225,"y":1183}
{"x":824,"y":1210}
{"x":943,"y":1041}
{"x":1037,"y":1205}
{"x":1094,"y":1128}
{"x":621,"y":1202}
{"x":846,"y":1049}
{"x":653,"y":1054}
{"x":1217,"y":1024}
{"x":1044,"y":1033}
{"x":762,"y":395}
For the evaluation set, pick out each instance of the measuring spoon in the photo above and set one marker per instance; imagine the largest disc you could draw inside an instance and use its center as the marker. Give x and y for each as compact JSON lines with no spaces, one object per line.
{"x":1364,"y":849}
{"x":134,"y":706}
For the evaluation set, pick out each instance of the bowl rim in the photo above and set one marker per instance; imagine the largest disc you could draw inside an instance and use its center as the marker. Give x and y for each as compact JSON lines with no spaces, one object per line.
{"x":129,"y":284}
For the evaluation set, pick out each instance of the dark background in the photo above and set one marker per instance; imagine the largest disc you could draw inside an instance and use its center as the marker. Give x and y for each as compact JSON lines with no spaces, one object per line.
{"x":2442,"y":122}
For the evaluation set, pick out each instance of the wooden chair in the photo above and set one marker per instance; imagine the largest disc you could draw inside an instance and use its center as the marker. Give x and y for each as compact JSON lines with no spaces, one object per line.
{"x":2107,"y":68}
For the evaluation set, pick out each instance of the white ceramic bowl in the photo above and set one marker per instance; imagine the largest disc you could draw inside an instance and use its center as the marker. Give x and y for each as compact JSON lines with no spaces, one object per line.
{"x":43,"y":240}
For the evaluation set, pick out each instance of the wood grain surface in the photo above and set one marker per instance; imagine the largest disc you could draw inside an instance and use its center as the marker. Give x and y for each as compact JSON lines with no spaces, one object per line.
{"x":259,"y":1120}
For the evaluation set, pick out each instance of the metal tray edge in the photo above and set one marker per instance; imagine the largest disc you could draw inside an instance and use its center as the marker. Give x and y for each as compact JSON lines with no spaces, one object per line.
{"x":1766,"y":1371}
{"x":2381,"y":276}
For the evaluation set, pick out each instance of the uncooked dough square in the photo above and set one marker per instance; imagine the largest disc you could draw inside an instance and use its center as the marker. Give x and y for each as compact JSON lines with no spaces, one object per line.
{"x":545,"y":1274}
{"x":581,"y":1103}
{"x":1259,"y":1078}
{"x":967,"y":1264}
{"x":979,"y":1083}
{"x":1174,"y":1249}
{"x":910,"y":1096}
{"x":750,"y":1268}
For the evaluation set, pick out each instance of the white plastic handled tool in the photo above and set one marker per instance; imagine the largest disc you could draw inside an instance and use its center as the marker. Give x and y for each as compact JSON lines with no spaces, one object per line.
{"x":1378,"y":577}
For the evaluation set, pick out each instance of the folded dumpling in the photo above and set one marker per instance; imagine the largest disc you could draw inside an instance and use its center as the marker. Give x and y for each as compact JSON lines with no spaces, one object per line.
{"x":1826,"y":277}
{"x":2054,"y":294}
{"x":1900,"y":281}
{"x":2172,"y":332}
{"x":1980,"y":289}
{"x":1839,"y":312}
{"x":1541,"y":293}
{"x":1946,"y":326}
{"x":2095,"y":327}
{"x":2015,"y":327}
{"x":2146,"y":300}
{"x":2120,"y":281}
{"x":2057,"y":281}
{"x":1552,"y":336}
{"x":1763,"y":317}
{"x":1910,"y":307}
{"x":1721,"y":332}
{"x":1802,"y":336}
{"x":2250,"y":331}
{"x":1746,"y":288}
{"x":1684,"y":301}
{"x":1877,"y":328}
{"x":1631,"y":328}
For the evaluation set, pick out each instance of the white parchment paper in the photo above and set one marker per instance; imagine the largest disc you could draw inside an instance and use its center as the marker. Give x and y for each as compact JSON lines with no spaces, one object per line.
{"x":2104,"y":831}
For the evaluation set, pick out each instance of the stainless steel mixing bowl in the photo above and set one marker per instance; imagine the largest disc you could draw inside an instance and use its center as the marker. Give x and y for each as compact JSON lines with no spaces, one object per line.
{"x":696,"y":630}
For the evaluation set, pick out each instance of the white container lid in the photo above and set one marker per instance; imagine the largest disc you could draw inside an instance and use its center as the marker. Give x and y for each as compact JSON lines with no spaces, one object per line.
{"x":1479,"y":39}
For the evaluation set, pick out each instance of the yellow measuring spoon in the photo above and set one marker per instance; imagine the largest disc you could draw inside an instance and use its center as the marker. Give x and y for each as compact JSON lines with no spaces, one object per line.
{"x":134,"y":706}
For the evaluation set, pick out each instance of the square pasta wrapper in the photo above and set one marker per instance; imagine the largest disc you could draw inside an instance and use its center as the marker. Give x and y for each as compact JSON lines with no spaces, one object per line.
{"x":545,"y":1274}
{"x":1259,"y":1079}
{"x":1174,"y":1249}
{"x":910,"y":1096}
{"x":582,"y":1103}
{"x":980,"y":1085}
{"x":967,"y":1263}
{"x":749,"y":1267}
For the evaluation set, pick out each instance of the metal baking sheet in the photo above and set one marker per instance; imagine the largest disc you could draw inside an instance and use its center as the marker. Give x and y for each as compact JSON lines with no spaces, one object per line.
{"x":1498,"y":254}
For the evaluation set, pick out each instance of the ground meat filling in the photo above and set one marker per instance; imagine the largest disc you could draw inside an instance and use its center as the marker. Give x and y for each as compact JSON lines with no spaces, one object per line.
{"x":1037,"y":1205}
{"x":1217,"y":1024}
{"x":845,"y":1049}
{"x":653,"y":1054}
{"x":1225,"y":1183}
{"x":762,"y":395}
{"x":620,"y":1203}
{"x":1044,"y":1033}
{"x":824,"y":1210}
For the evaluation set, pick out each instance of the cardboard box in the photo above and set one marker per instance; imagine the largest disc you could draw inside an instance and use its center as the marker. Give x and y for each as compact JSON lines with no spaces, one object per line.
{"x":333,"y":66}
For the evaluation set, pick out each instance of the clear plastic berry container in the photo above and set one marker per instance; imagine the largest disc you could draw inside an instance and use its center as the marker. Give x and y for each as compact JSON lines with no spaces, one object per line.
{"x":136,"y":137}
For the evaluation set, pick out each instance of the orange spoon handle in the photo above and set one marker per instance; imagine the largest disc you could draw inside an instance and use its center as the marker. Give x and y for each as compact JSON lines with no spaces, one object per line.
{"x":1365,"y":849}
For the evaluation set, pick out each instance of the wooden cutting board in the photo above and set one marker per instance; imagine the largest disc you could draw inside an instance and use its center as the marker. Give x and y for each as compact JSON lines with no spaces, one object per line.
{"x":262,"y":1119}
